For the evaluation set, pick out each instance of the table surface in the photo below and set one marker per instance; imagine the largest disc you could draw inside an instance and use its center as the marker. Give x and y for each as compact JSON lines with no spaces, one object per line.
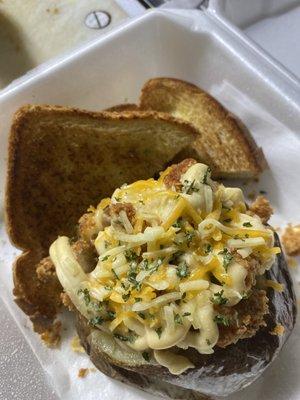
{"x":20,"y":372}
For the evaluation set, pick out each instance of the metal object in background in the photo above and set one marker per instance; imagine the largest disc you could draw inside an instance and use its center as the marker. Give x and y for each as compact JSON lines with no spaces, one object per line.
{"x":189,"y":4}
{"x":97,"y":19}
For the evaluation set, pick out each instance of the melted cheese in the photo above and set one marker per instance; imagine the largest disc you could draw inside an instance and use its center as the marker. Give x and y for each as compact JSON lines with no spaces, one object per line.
{"x":159,"y":272}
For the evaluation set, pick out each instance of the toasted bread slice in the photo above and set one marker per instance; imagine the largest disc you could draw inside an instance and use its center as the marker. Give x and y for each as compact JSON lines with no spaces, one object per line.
{"x":63,"y":160}
{"x":123,"y":107}
{"x":224,"y":143}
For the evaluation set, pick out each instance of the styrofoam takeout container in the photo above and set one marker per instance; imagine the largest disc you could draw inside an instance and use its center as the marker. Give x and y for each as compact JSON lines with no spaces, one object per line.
{"x":194,"y":46}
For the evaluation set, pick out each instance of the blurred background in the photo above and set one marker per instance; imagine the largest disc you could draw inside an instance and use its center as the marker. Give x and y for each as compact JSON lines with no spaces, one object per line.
{"x":35,"y":31}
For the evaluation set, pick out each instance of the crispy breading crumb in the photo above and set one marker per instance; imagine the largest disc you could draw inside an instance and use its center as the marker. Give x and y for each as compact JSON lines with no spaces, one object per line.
{"x":291,"y":240}
{"x":51,"y":337}
{"x":82,"y":373}
{"x":292,"y":262}
{"x":262,"y":207}
{"x":278,"y":330}
{"x":172,"y":179}
{"x":76,"y":345}
{"x":45,"y":269}
{"x":67,"y":301}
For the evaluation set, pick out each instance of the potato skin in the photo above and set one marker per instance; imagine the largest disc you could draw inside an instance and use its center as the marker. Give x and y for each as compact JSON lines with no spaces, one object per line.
{"x":226,"y":370}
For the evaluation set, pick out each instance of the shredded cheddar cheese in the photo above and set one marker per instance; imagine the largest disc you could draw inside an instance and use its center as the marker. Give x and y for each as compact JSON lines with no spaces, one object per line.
{"x":159,"y":265}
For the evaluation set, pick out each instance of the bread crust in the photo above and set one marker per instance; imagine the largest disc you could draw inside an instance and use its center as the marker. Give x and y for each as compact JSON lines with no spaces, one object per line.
{"x":237,"y":156}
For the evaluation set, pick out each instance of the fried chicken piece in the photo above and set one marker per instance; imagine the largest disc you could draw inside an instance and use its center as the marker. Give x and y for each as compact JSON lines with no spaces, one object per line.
{"x":172,"y":179}
{"x":291,"y":240}
{"x":244,"y":319}
{"x":262,"y":207}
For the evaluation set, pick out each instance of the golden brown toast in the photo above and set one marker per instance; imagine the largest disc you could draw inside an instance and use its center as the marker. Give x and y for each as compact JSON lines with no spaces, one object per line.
{"x":224,"y":142}
{"x":63,"y":160}
{"x":123,"y":107}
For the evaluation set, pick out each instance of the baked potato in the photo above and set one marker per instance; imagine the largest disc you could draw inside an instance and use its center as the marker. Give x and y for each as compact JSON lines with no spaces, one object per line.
{"x":189,"y":294}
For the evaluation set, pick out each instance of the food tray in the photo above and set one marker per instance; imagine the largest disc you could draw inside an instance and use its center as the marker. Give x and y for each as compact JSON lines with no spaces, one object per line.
{"x":195,"y":46}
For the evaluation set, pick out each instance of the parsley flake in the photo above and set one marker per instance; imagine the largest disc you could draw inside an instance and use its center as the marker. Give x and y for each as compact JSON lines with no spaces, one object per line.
{"x":115,"y":274}
{"x":189,"y":237}
{"x":126,"y":296}
{"x":96,"y":321}
{"x":189,"y":187}
{"x":219,"y":299}
{"x":222,"y":320}
{"x":227,"y":258}
{"x":142,"y":315}
{"x":146,"y":356}
{"x":86,"y":295}
{"x":177,"y":319}
{"x":247,"y":224}
{"x":206,"y":175}
{"x":159,"y":331}
{"x":111,"y":315}
{"x":186,"y":314}
{"x":130,"y":255}
{"x":182,"y":270}
{"x":207,"y":248}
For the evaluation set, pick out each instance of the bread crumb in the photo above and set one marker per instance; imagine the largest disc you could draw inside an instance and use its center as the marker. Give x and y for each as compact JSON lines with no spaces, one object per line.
{"x":291,"y":240}
{"x":67,"y":301}
{"x":51,"y":337}
{"x":76,"y":345}
{"x":292,"y":262}
{"x":262,"y":207}
{"x":278,"y":330}
{"x":82,"y":373}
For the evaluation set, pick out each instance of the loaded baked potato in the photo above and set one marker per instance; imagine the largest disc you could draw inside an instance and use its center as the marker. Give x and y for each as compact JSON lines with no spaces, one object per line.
{"x":178,"y":287}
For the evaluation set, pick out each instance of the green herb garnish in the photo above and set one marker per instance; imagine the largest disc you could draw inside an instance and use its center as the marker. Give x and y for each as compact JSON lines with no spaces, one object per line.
{"x":189,"y":237}
{"x":205,"y":177}
{"x":182,"y":270}
{"x":96,"y":321}
{"x":207,"y":248}
{"x":159,"y":331}
{"x":189,"y":187}
{"x":186,"y":314}
{"x":178,"y":223}
{"x":86,"y":295}
{"x":146,"y":356}
{"x":111,"y":315}
{"x":247,"y":224}
{"x":219,"y":299}
{"x":115,"y":274}
{"x":104,"y":258}
{"x":144,"y":264}
{"x":177,"y":319}
{"x":130,"y":255}
{"x":126,"y":296}
{"x":227,"y":258}
{"x":122,"y":337}
{"x":222,"y":320}
{"x":142,"y":315}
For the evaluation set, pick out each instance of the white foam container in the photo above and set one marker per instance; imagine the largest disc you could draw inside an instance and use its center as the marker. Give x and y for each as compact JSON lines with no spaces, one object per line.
{"x":194,"y":45}
{"x":273,"y":24}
